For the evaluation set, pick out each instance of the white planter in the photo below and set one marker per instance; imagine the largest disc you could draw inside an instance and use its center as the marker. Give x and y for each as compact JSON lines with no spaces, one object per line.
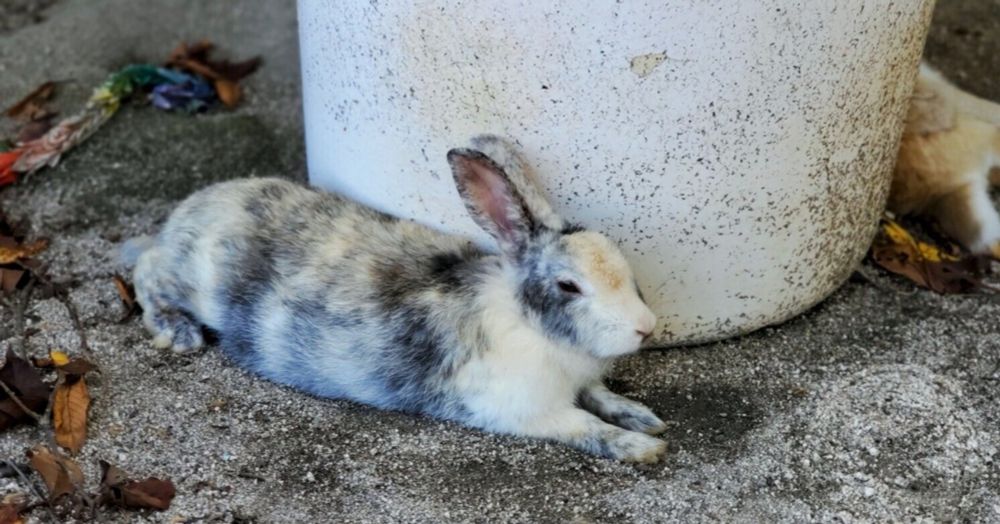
{"x":740,"y":152}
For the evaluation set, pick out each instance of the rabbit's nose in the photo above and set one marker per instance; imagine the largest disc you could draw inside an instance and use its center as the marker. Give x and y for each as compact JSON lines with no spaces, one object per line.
{"x":646,"y":324}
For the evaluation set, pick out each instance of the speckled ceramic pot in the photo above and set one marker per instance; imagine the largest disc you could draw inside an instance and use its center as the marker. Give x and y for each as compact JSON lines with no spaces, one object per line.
{"x":740,"y":152}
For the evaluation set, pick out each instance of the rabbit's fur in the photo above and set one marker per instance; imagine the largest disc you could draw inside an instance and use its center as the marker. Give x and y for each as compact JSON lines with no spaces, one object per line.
{"x":339,"y":300}
{"x":950,"y":144}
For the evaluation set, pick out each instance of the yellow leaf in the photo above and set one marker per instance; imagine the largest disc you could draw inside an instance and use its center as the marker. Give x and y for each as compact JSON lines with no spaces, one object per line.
{"x":897,"y":233}
{"x":59,"y":358}
{"x":69,"y":413}
{"x":900,"y":236}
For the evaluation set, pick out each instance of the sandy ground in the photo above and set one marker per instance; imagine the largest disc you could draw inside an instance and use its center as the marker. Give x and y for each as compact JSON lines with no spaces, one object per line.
{"x":879,"y":404}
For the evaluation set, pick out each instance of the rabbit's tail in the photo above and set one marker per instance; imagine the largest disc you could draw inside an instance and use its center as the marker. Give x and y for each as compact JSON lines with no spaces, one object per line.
{"x":130,"y":251}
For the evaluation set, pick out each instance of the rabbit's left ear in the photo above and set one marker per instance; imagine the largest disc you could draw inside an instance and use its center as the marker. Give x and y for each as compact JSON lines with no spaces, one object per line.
{"x":515,"y":166}
{"x":492,"y":200}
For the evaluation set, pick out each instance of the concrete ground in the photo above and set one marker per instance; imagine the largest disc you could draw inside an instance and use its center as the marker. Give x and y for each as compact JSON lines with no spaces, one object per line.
{"x":879,"y":404}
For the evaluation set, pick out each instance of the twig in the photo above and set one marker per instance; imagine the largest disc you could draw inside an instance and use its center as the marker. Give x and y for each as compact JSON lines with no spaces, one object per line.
{"x":247,"y":475}
{"x":21,"y":346}
{"x":31,"y":485}
{"x":862,"y":272}
{"x":47,"y":416}
{"x":63,"y":295}
{"x":6,"y":389}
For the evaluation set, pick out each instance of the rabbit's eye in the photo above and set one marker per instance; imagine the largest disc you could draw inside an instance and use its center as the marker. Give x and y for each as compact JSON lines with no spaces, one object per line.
{"x":568,"y":286}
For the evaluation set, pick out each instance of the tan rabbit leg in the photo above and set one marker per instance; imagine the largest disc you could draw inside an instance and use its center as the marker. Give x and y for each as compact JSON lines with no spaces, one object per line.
{"x":969,"y":216}
{"x":158,"y":293}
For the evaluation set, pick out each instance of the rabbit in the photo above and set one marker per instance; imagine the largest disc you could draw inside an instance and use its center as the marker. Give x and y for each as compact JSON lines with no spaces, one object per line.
{"x":950,"y":144}
{"x":312,"y":290}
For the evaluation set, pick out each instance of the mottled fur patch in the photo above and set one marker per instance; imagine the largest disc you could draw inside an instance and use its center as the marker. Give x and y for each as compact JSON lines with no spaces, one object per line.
{"x":314,"y":291}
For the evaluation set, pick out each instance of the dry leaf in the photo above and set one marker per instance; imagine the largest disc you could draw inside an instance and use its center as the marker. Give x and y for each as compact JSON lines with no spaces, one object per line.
{"x":10,"y":278}
{"x":54,"y":359}
{"x":229,"y":92}
{"x":927,"y":265}
{"x":15,"y":259}
{"x":62,"y":476}
{"x":35,"y":129}
{"x":69,"y":412}
{"x":117,"y":489}
{"x":224,"y":74}
{"x":195,"y":58}
{"x":77,"y":367}
{"x":31,"y":107}
{"x":126,"y":292}
{"x":11,"y":508}
{"x":18,"y":375}
{"x":59,"y":358}
{"x":12,"y":252}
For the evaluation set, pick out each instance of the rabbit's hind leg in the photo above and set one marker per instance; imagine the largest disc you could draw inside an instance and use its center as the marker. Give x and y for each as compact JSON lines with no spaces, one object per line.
{"x":968,"y":216}
{"x":162,"y":298}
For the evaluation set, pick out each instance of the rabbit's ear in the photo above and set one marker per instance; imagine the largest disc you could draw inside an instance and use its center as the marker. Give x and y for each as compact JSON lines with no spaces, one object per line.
{"x":492,"y":199}
{"x":513,"y":163}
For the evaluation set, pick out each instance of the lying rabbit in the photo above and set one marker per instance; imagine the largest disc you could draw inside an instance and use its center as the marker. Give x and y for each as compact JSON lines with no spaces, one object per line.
{"x":950,"y":144}
{"x":336,"y":299}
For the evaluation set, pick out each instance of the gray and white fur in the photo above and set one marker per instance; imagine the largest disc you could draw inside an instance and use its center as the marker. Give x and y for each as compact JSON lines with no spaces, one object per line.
{"x":311,"y":290}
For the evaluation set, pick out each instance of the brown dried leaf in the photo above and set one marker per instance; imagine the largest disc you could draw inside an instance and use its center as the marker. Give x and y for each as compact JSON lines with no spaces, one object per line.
{"x":196,"y":59}
{"x":62,"y":476}
{"x":197,"y":67}
{"x":925,"y":264}
{"x":11,"y":508}
{"x":42,"y":362}
{"x":224,"y":74}
{"x":229,"y":92}
{"x":235,"y":71}
{"x":77,"y":367}
{"x":126,"y":292}
{"x":31,"y":106}
{"x":117,"y":489}
{"x":962,"y":276}
{"x":14,"y":253}
{"x":18,"y":375}
{"x":10,"y":278}
{"x":35,"y":129}
{"x":69,"y":412}
{"x":10,"y":514}
{"x":900,"y":261}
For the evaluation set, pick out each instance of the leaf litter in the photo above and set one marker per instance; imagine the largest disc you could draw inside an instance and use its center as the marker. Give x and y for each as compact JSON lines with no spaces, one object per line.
{"x":944,"y":269}
{"x":65,"y":482}
{"x":11,"y":507}
{"x":119,"y":490}
{"x":16,"y":254}
{"x":22,"y":388}
{"x":32,"y":106}
{"x":190,"y":81}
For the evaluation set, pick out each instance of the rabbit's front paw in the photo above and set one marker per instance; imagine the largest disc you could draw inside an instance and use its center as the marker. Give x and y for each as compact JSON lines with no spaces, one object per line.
{"x":637,"y":417}
{"x":620,"y":411}
{"x":632,"y":446}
